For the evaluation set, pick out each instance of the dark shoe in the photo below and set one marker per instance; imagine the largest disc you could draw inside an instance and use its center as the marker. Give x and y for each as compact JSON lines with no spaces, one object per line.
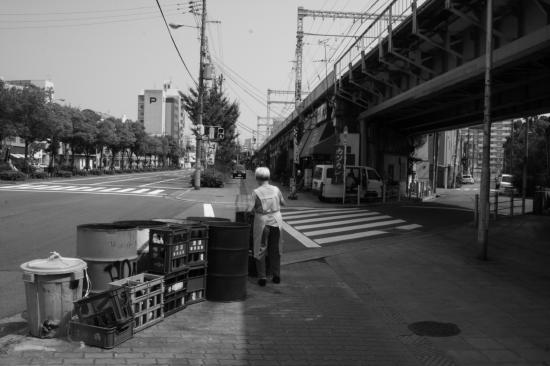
{"x":262,"y":282}
{"x":276,"y":279}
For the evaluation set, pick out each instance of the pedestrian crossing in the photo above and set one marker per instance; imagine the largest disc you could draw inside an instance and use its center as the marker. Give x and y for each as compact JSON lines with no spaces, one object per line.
{"x":333,"y":225}
{"x":135,"y":191}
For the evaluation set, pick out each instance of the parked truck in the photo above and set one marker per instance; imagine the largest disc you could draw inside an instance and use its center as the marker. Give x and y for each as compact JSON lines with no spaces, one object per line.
{"x":364,"y":179}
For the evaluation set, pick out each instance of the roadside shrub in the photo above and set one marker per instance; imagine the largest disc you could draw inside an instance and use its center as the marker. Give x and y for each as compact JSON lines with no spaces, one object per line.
{"x":40,"y":175}
{"x":12,"y":175}
{"x":109,"y":172}
{"x":96,"y":172}
{"x":64,"y":173}
{"x":209,"y":179}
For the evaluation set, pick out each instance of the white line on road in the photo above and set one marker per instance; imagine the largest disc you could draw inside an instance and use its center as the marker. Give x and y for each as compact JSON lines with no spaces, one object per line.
{"x":409,"y":227}
{"x":110,"y":189}
{"x":208,"y":210}
{"x":160,"y":181}
{"x":60,"y":188}
{"x":307,"y":242}
{"x":77,"y":188}
{"x":43,"y":187}
{"x":126,"y":190}
{"x":305,"y":211}
{"x":328,"y":218}
{"x":141,"y":190}
{"x":353,"y":227}
{"x":93,"y":189}
{"x":366,"y":234}
{"x":345,"y":222}
{"x":156,"y":192}
{"x":313,"y":214}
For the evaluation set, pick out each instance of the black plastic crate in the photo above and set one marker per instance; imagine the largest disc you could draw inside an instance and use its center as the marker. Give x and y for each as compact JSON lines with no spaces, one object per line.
{"x":196,"y":285}
{"x":168,"y":248}
{"x":104,"y":337}
{"x":110,"y":308}
{"x":175,"y":283}
{"x":175,"y":303}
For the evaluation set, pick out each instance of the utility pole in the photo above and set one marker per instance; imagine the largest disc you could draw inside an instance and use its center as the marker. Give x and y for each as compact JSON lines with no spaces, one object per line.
{"x":525,"y":159}
{"x":455,"y":157}
{"x":483,"y":218}
{"x":200,"y":126}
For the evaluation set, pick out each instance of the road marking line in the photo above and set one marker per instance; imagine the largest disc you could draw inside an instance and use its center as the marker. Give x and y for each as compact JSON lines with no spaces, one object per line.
{"x":353,"y":227}
{"x":366,"y":234}
{"x":63,"y":188}
{"x":345,"y":222}
{"x":141,"y":190}
{"x":307,"y":242}
{"x":327,"y":218}
{"x":57,"y":188}
{"x":21,"y":186}
{"x":313,"y":214}
{"x":77,"y":188}
{"x":156,"y":192}
{"x":126,"y":190}
{"x":93,"y":189}
{"x":409,"y":227}
{"x":110,"y":189}
{"x":208,"y":210}
{"x":292,"y":212}
{"x":43,"y":187}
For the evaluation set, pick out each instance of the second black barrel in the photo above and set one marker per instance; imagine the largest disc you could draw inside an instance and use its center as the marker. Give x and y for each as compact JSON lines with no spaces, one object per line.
{"x":227,"y":259}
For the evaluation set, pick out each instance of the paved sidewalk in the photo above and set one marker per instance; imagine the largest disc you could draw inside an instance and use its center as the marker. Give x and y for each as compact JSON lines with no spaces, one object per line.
{"x":352,"y":305}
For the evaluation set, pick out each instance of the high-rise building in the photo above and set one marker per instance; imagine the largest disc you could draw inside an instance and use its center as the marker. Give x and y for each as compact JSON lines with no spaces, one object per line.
{"x":161,"y":112}
{"x":472,"y":142}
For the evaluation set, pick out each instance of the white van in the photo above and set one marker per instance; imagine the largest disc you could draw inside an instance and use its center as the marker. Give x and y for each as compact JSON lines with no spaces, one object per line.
{"x":364,"y":178}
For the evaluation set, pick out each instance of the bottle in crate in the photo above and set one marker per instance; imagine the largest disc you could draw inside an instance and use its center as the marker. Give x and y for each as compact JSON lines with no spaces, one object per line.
{"x":175,"y":289}
{"x":196,"y":284}
{"x":168,"y":248}
{"x":147,"y":296}
{"x":110,"y":308}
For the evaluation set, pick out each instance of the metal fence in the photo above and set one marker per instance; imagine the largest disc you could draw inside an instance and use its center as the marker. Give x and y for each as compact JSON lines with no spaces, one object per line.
{"x":501,"y":204}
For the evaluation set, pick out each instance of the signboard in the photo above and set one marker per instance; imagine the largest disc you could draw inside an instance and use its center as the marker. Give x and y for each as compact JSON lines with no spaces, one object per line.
{"x":211,"y":153}
{"x":338,"y":164}
{"x":321,"y":113}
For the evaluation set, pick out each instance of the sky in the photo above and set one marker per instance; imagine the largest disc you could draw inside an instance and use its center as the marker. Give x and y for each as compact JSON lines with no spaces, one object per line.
{"x":100,"y":54}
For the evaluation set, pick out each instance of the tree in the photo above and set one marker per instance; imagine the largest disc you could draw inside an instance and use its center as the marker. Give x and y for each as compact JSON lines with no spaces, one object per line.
{"x":126,"y":139}
{"x":85,"y":134}
{"x":30,"y":116}
{"x":218,"y":111}
{"x":105,"y":138}
{"x":59,"y":128}
{"x":139,"y":147}
{"x":8,"y":126}
{"x":538,"y":162}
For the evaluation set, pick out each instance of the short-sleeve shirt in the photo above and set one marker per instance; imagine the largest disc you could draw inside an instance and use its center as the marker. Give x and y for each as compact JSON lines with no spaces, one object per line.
{"x":267,"y":202}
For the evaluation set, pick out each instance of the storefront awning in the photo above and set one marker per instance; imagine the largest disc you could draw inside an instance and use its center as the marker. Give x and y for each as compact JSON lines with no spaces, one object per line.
{"x":313,"y":140}
{"x":325,"y":147}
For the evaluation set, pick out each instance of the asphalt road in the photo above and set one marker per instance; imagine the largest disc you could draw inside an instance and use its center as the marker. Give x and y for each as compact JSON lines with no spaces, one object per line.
{"x":34,"y":223}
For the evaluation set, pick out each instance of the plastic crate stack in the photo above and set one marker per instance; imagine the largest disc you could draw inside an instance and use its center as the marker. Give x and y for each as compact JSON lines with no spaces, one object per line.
{"x":104,"y":320}
{"x":178,"y":252}
{"x":146,"y":292}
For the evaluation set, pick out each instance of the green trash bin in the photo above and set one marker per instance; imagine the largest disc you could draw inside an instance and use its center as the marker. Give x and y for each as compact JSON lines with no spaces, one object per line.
{"x":51,"y":286}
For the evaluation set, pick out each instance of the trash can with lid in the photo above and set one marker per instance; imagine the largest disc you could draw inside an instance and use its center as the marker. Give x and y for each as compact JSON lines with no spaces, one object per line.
{"x":51,"y":286}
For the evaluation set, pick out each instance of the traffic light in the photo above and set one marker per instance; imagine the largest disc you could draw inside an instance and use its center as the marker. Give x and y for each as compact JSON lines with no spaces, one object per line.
{"x":220,"y":133}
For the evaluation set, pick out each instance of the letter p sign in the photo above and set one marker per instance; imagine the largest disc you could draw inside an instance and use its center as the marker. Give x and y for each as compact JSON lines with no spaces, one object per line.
{"x":152,"y":100}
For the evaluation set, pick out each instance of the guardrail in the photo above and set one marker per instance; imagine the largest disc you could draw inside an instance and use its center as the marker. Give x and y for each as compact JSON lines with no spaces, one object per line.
{"x":502,"y":205}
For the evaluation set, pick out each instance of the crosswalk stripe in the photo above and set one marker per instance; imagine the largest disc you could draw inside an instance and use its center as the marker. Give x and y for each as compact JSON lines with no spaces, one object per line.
{"x":346,"y":222}
{"x":21,"y":186}
{"x":327,"y":218}
{"x":353,"y":227}
{"x":93,"y":189}
{"x":409,"y":227}
{"x":126,"y":190}
{"x":110,"y":189}
{"x":292,"y":212}
{"x":43,"y":187}
{"x":307,"y":242}
{"x":141,"y":190}
{"x":156,"y":192}
{"x":56,"y":188}
{"x":312,"y":214}
{"x":364,"y":234}
{"x":77,"y":188}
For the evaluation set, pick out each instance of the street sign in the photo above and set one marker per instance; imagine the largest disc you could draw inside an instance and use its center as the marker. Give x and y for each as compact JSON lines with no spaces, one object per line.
{"x":211,"y":153}
{"x":339,"y":164}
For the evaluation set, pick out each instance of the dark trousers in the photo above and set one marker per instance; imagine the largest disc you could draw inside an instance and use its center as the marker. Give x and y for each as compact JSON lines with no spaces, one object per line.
{"x":272,"y":235}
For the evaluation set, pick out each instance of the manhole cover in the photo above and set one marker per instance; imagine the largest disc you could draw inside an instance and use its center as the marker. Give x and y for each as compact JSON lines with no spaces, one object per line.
{"x":434,"y":329}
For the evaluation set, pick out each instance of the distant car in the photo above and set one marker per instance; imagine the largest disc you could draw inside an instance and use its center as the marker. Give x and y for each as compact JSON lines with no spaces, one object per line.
{"x":239,"y":171}
{"x":505,"y":184}
{"x":467,"y":179}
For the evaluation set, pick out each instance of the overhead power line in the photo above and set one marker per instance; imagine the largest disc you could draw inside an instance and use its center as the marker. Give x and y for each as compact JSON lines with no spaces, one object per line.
{"x":83,"y":11}
{"x":175,"y":45}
